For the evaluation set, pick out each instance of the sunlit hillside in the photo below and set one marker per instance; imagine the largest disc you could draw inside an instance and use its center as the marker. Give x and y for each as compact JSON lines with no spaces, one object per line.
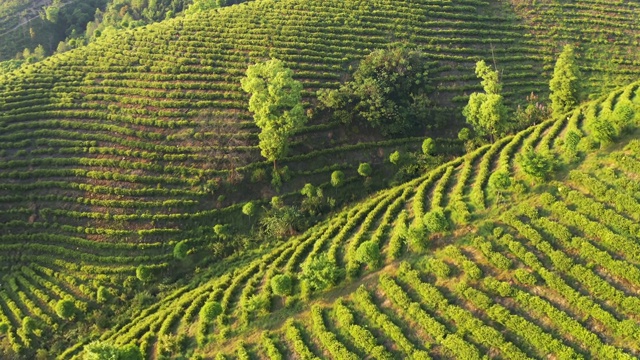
{"x":542,"y":269}
{"x":125,"y":166}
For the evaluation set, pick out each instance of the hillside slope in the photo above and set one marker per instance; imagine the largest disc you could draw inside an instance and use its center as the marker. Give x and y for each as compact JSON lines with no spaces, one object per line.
{"x":550,"y":270}
{"x":113,"y":153}
{"x":130,"y":137}
{"x":131,"y":141}
{"x":54,"y":26}
{"x":606,"y":31}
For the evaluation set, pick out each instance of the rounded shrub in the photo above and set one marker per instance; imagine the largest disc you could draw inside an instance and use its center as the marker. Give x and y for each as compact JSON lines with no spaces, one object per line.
{"x":144,"y":273}
{"x":320,"y":272}
{"x":436,"y":220}
{"x":337,"y":178}
{"x":66,"y":309}
{"x":364,"y":169}
{"x":210,"y":311}
{"x":428,"y":146}
{"x":249,"y":209}
{"x":416,"y":237}
{"x":282,"y":284}
{"x":102,"y":295}
{"x":369,"y":253}
{"x":180,"y":250}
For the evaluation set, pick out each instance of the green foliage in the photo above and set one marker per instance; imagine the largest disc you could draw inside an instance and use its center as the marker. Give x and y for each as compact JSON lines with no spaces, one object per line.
{"x":464,"y":134}
{"x":369,"y":253}
{"x":533,"y":113}
{"x":101,"y":351}
{"x":279,"y":176}
{"x":104,"y":351}
{"x":276,"y":105}
{"x":210,"y":311}
{"x":536,"y":165}
{"x":257,"y":304}
{"x":388,"y":89}
{"x":270,"y":347}
{"x":66,"y":309}
{"x":417,"y":238}
{"x":4,"y":327}
{"x":133,"y":101}
{"x":144,"y":273}
{"x":130,"y":352}
{"x":525,"y":277}
{"x":180,"y":250}
{"x":320,"y":272}
{"x":337,"y":178}
{"x":364,"y":169}
{"x":602,"y":131}
{"x":221,"y":230}
{"x":428,"y":146}
{"x":565,"y":83}
{"x":486,"y":111}
{"x":395,"y":157}
{"x":398,"y":235}
{"x":439,"y":268}
{"x":623,"y":116}
{"x":436,"y":220}
{"x":500,"y":180}
{"x":308,"y":190}
{"x":294,"y":337}
{"x":203,"y":5}
{"x":29,"y":325}
{"x":280,"y":222}
{"x":258,"y":175}
{"x":276,"y":202}
{"x":9,"y":65}
{"x":327,"y":338}
{"x":51,"y":13}
{"x":249,"y":209}
{"x":314,"y":202}
{"x":282,"y":284}
{"x":571,"y":142}
{"x":102,"y":295}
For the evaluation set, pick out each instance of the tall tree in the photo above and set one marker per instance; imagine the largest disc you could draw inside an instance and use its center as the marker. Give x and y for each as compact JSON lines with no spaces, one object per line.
{"x":249,"y":209}
{"x":388,"y":90}
{"x":276,"y":103}
{"x":565,"y":83}
{"x":486,"y":111}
